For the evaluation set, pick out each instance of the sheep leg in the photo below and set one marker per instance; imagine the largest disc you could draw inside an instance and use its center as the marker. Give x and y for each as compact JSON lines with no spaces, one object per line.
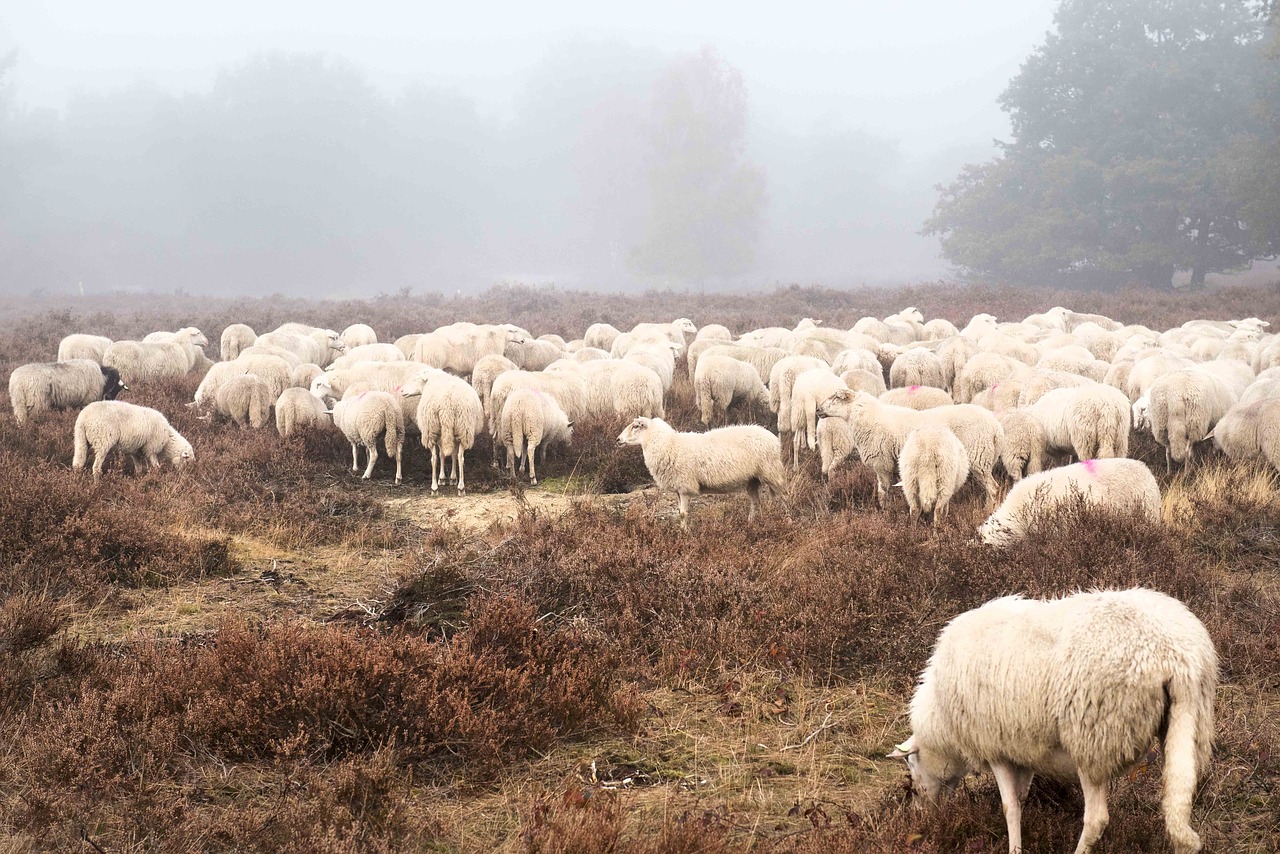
{"x":753,"y":495}
{"x":511,"y":459}
{"x":533,"y":472}
{"x":399,"y":458}
{"x":797,"y":438}
{"x":1095,"y":813}
{"x":462,"y":472}
{"x":99,"y":459}
{"x":989,"y":487}
{"x":684,"y":511}
{"x":1168,"y":461}
{"x":435,"y":470}
{"x":1013,"y":783}
{"x":372,"y":448}
{"x":355,"y":460}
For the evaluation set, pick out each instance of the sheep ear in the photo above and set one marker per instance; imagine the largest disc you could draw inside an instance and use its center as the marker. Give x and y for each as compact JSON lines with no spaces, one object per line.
{"x":570,"y":423}
{"x":901,"y":751}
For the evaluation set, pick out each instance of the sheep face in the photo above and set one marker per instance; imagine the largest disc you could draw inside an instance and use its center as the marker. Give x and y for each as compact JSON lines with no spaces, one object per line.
{"x":932,"y":775}
{"x":993,"y":532}
{"x":195,"y":336}
{"x":112,"y":385}
{"x":1142,"y":413}
{"x":843,"y":404}
{"x":634,"y":433}
{"x":685,"y":325}
{"x":178,"y":450}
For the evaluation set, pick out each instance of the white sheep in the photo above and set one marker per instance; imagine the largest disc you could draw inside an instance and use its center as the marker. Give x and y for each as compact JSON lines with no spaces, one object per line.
{"x":714,"y":331}
{"x":533,"y":355}
{"x":81,"y":346}
{"x":380,"y":376}
{"x":246,"y":400}
{"x":449,"y":414}
{"x":1074,"y":319}
{"x":234,"y":339}
{"x":531,"y":421}
{"x":835,"y":443}
{"x":318,"y":346}
{"x":298,"y":409}
{"x":193,"y":342}
{"x":659,"y":357}
{"x":872,"y":382}
{"x":934,"y":465}
{"x":304,"y":375}
{"x":1025,"y":444}
{"x":484,"y":373}
{"x":43,"y":386}
{"x":374,"y":352}
{"x":725,"y":460}
{"x":808,"y":390}
{"x":358,"y":335}
{"x":720,"y":382}
{"x":761,"y":358}
{"x":982,"y":371}
{"x":781,"y":378}
{"x":916,"y":397}
{"x":1075,"y":688}
{"x":916,"y":367}
{"x":142,"y":362}
{"x":458,"y":347}
{"x":854,"y":358}
{"x":1091,"y":422}
{"x":1000,"y":398}
{"x":364,"y":418}
{"x":939,"y":329}
{"x":1038,"y":382}
{"x":879,"y":431}
{"x":1184,"y":406}
{"x":558,"y":340}
{"x":601,"y":336}
{"x":954,"y":353}
{"x":289,"y":356}
{"x":408,"y":344}
{"x":1117,"y":485}
{"x":616,"y":388}
{"x":1250,"y":432}
{"x":138,"y":431}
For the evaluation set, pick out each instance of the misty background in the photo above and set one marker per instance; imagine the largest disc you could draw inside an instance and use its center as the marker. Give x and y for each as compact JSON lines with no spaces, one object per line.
{"x":257,"y":148}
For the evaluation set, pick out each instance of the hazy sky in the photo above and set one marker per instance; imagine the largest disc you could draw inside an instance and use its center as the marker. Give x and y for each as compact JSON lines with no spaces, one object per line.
{"x":925,"y":73}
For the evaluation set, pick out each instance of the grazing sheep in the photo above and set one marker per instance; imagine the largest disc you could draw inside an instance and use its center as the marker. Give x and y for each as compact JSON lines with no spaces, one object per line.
{"x":1073,"y":319}
{"x":589,"y":354}
{"x":879,"y":431}
{"x":1075,"y":688}
{"x":1000,"y":398}
{"x":449,"y":415}
{"x":80,"y":346}
{"x":289,"y":356}
{"x":245,"y":399}
{"x":916,"y":367}
{"x":1119,"y":485}
{"x":601,"y":336}
{"x":616,"y":388}
{"x":934,"y":465}
{"x":531,"y":420}
{"x":304,"y":375}
{"x":720,"y":381}
{"x":781,"y":378}
{"x":236,"y":338}
{"x":835,"y":443}
{"x":568,"y":389}
{"x":1184,"y":406}
{"x":714,"y":331}
{"x":1025,"y":443}
{"x":872,"y":382}
{"x":318,"y":346}
{"x":533,"y":355}
{"x":379,"y":376}
{"x":1038,"y":382}
{"x":365,"y":417}
{"x":558,"y":340}
{"x":1250,"y":432}
{"x":1091,"y":422}
{"x":807,"y":391}
{"x":659,"y":358}
{"x":298,"y":409}
{"x":484,"y":373}
{"x":982,"y":371}
{"x":1149,"y":367}
{"x":42,"y":386}
{"x":193,"y":342}
{"x":728,"y":459}
{"x":917,"y":397}
{"x":374,"y":352}
{"x":954,"y":354}
{"x":142,"y":362}
{"x":138,"y":431}
{"x":1261,"y":390}
{"x":761,"y":358}
{"x":358,"y":335}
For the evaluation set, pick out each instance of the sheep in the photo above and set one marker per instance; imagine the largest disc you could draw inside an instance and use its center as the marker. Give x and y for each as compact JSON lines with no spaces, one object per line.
{"x":1149,"y":367}
{"x":458,"y":347}
{"x":1054,"y":318}
{"x":954,"y":353}
{"x":1001,"y":397}
{"x":1117,"y":485}
{"x":807,"y":391}
{"x":879,"y":431}
{"x":934,"y":465}
{"x":916,"y":367}
{"x":80,"y":346}
{"x":679,"y":331}
{"x":449,"y":415}
{"x":484,"y":373}
{"x":358,"y":335}
{"x":695,"y":350}
{"x":589,"y":354}
{"x":761,"y":358}
{"x":533,"y":419}
{"x":872,"y":382}
{"x":245,"y":399}
{"x":42,"y":386}
{"x":1091,"y":422}
{"x":781,"y":377}
{"x":139,"y":431}
{"x":616,"y":388}
{"x":724,"y":460}
{"x":1075,"y":688}
{"x":855,"y":358}
{"x":835,"y":443}
{"x":1073,"y":319}
{"x":374,"y":352}
{"x":1025,"y":444}
{"x":193,"y":342}
{"x":365,"y":417}
{"x":917,"y":397}
{"x":939,"y":330}
{"x":142,"y":362}
{"x":982,"y":371}
{"x":1184,"y":407}
{"x":319,"y":346}
{"x":289,"y":356}
{"x":558,"y":340}
{"x":408,"y":344}
{"x":298,"y":409}
{"x":714,"y":331}
{"x":600,"y":336}
{"x":568,"y":389}
{"x":1250,"y":432}
{"x":380,"y":376}
{"x":533,"y":355}
{"x":659,"y":358}
{"x":1261,"y":390}
{"x":303,"y":375}
{"x":235,"y":338}
{"x":720,"y":381}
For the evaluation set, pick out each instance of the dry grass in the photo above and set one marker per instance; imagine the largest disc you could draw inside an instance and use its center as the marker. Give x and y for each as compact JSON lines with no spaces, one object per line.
{"x":261,"y":653}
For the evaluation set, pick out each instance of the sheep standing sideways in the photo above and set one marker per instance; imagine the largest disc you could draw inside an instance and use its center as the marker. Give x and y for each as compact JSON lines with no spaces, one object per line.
{"x":531,"y":420}
{"x":139,"y":431}
{"x":725,"y":460}
{"x":1118,"y":485}
{"x":81,"y":346}
{"x":1074,"y":688}
{"x":934,"y":465}
{"x":364,"y":418}
{"x":42,"y":386}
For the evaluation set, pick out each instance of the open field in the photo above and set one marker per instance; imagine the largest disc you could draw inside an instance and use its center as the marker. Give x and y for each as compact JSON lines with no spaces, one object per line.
{"x":262,"y":653}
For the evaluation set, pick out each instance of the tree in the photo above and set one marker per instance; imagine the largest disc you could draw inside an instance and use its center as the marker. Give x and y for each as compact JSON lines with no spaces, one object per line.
{"x":706,"y":201}
{"x":1122,"y":122}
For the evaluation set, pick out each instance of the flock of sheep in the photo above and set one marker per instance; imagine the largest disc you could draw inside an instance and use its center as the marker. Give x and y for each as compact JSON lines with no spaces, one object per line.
{"x":926,"y":405}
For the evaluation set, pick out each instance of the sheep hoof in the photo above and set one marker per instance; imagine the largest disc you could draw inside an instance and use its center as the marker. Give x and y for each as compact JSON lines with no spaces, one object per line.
{"x":533,"y":481}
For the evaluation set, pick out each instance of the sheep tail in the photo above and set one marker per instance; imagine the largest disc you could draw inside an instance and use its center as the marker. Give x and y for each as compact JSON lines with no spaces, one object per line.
{"x":447,"y":437}
{"x":393,"y":440}
{"x":82,"y":447}
{"x":1186,"y":749}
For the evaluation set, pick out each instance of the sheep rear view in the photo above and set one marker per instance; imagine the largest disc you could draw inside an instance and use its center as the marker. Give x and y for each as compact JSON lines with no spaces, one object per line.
{"x":934,"y":465}
{"x":1075,"y":689}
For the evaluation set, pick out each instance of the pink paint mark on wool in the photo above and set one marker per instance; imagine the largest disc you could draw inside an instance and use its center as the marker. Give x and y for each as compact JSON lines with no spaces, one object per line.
{"x":912,"y":389}
{"x":1091,"y":466}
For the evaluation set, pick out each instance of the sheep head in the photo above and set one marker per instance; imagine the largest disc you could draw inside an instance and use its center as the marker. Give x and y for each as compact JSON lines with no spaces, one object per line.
{"x":684,"y":324}
{"x":634,"y":432}
{"x":932,"y":775}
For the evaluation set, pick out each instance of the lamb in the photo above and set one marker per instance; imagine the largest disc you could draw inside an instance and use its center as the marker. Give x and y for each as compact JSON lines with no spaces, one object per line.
{"x":916,"y":397}
{"x":298,"y":409}
{"x":1072,"y":688}
{"x":934,"y":465}
{"x":358,"y":335}
{"x":601,"y":336}
{"x":1118,"y":485}
{"x":809,"y":389}
{"x":872,"y":382}
{"x":725,"y":460}
{"x":80,"y":346}
{"x":1250,"y":432}
{"x":916,"y":367}
{"x":245,"y":399}
{"x":720,"y":381}
{"x":364,"y":418}
{"x":193,"y":342}
{"x":1091,"y":422}
{"x":142,"y":362}
{"x":534,"y":420}
{"x":449,"y":415}
{"x":138,"y":431}
{"x":42,"y":386}
{"x":1184,"y":407}
{"x":236,"y":338}
{"x":879,"y":431}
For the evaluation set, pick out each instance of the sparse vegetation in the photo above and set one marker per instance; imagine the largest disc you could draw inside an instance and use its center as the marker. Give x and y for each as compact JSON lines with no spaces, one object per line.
{"x":261,"y":653}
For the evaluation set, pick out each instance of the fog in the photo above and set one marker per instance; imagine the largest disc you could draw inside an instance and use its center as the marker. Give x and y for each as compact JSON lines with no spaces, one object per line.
{"x":251,"y":147}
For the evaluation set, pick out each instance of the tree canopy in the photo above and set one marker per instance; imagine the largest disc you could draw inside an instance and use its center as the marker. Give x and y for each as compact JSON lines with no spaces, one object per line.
{"x":1132,"y":128}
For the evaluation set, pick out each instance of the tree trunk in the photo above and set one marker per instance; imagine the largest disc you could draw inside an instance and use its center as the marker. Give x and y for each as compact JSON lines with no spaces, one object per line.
{"x":1197,"y":277}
